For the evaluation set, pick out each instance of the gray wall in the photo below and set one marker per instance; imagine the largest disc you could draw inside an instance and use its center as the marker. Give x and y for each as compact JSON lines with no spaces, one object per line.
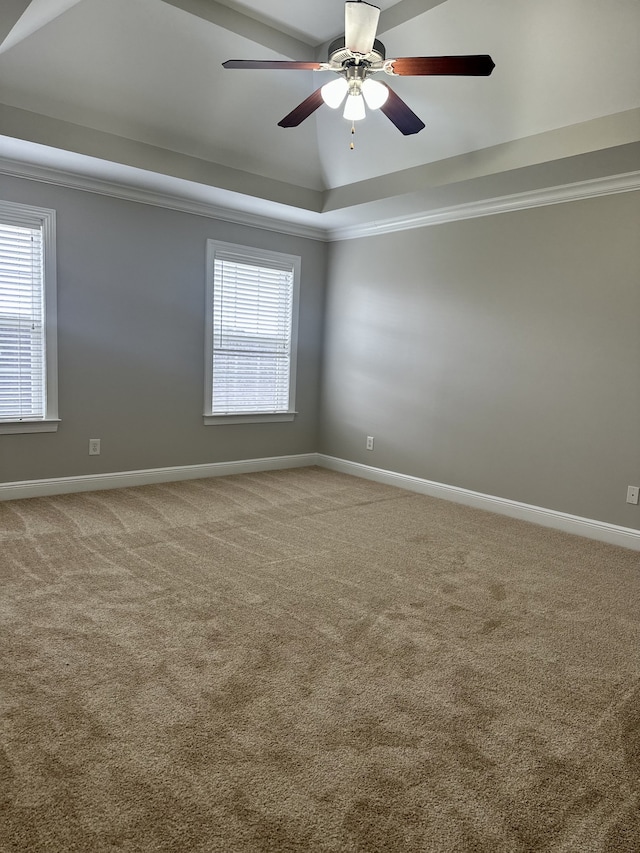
{"x":131,"y":341}
{"x":499,"y":354}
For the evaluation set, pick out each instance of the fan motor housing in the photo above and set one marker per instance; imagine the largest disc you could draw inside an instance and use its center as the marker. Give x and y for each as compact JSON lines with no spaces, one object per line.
{"x":340,"y":56}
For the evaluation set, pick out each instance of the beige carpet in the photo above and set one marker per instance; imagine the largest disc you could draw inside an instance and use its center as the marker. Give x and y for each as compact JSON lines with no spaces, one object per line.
{"x":305,"y":661}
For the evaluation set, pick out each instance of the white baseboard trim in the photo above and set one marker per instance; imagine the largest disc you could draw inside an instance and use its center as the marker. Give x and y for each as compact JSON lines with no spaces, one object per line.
{"x":600,"y":530}
{"x":626,"y":537}
{"x":125,"y":479}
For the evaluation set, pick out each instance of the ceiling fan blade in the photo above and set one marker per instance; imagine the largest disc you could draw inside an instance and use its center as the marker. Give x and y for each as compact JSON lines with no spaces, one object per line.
{"x":274,"y":64}
{"x":401,"y":114}
{"x":480,"y":65}
{"x":360,"y":26}
{"x":303,"y":110}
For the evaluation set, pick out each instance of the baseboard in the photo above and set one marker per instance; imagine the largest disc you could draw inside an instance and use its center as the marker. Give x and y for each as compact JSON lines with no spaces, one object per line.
{"x":124,"y":479}
{"x":602,"y":531}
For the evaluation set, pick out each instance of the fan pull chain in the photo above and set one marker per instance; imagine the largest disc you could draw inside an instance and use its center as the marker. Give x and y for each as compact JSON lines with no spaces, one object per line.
{"x":353,"y":133}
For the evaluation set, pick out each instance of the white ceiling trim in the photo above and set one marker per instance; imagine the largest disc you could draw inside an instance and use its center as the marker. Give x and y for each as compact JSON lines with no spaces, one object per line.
{"x":169,"y":201}
{"x":592,"y":188}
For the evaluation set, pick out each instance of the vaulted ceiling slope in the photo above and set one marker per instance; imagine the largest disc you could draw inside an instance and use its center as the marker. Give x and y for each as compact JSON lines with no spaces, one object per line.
{"x":133,"y":92}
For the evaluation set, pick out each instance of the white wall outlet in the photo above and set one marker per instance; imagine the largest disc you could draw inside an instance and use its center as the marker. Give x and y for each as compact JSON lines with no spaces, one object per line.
{"x":632,"y":494}
{"x":94,"y":447}
{"x":369,"y":442}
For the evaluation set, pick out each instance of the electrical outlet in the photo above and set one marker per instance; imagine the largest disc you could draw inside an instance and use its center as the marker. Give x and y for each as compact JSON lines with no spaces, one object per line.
{"x":94,"y":447}
{"x":632,"y":494}
{"x":369,"y":442}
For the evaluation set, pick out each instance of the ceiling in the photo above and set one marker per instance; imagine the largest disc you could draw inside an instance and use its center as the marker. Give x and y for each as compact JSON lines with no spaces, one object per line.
{"x":133,"y":92}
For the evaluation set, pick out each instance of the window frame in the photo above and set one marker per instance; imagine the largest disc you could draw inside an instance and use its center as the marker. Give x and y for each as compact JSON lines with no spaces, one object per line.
{"x":253,"y":256}
{"x":44,"y":218}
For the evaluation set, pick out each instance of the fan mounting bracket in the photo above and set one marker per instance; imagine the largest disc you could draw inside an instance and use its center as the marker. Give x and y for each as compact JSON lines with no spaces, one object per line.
{"x":340,"y":57}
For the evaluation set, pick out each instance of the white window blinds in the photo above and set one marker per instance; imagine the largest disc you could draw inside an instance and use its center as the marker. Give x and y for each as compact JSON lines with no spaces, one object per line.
{"x":252,"y":334}
{"x":22,"y":323}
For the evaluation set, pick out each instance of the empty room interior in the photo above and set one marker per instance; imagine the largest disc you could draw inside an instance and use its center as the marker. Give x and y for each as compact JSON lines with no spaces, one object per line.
{"x":319,"y":426}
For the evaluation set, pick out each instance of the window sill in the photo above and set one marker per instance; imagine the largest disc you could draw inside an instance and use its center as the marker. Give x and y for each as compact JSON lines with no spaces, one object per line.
{"x":253,"y":418}
{"x":16,"y":427}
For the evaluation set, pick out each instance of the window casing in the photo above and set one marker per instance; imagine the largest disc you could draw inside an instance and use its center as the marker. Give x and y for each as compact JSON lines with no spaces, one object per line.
{"x":28,"y":325}
{"x":250,"y":334}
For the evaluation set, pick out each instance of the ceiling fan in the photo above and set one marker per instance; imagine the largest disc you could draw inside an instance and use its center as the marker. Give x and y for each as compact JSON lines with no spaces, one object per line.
{"x":355,"y":58}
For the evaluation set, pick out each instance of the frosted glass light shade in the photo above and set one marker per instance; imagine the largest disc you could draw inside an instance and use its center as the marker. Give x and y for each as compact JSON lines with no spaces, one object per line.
{"x":354,"y":108}
{"x":333,"y":93}
{"x":375,"y":93}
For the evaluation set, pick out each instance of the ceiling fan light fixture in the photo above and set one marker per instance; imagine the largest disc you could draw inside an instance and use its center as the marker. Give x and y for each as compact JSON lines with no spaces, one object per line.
{"x":354,"y":108}
{"x":333,"y":93}
{"x":357,"y":55}
{"x":375,"y":93}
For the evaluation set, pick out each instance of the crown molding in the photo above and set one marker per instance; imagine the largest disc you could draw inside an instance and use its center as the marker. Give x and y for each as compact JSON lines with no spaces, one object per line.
{"x":591,"y":188}
{"x":169,"y":201}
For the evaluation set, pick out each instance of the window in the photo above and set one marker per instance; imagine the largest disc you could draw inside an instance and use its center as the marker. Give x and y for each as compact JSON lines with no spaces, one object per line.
{"x":251,"y":332}
{"x":28,"y":362}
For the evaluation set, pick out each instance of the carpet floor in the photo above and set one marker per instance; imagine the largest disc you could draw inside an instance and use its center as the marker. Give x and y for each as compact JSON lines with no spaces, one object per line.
{"x":305,"y":661}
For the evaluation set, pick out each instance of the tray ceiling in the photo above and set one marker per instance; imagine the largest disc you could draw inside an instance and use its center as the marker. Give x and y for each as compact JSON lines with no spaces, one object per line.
{"x":134,"y":91}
